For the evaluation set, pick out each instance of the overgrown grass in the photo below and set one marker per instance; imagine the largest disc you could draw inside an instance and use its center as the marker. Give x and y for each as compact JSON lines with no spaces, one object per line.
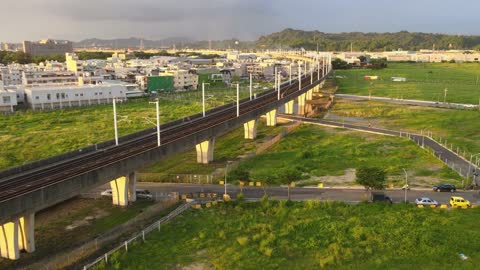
{"x":310,"y":235}
{"x":316,"y":151}
{"x":32,"y":135}
{"x":227,"y":148}
{"x":459,"y":127}
{"x":425,"y":81}
{"x":52,"y":235}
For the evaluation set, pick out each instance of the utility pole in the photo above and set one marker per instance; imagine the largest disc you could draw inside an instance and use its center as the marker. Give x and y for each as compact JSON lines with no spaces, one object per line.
{"x":299,"y":77}
{"x":290,"y":77}
{"x":203,"y":97}
{"x":157,"y":105}
{"x":115,"y":120}
{"x":275,"y":74}
{"x":318,"y":69}
{"x":238,"y":99}
{"x":278,"y":85}
{"x":445,"y":96}
{"x":251,"y":85}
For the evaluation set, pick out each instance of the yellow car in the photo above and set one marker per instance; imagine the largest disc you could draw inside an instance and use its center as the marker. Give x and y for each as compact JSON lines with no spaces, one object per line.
{"x":456,"y":201}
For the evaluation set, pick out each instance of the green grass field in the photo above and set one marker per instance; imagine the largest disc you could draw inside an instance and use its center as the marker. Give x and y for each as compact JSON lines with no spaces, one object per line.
{"x":227,"y":148}
{"x":425,"y":81}
{"x":309,"y":235}
{"x":32,"y":135}
{"x":331,"y":151}
{"x":459,"y":127}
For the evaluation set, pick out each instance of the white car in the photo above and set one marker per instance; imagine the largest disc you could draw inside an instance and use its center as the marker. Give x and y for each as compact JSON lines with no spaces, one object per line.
{"x":425,"y":201}
{"x":141,"y":193}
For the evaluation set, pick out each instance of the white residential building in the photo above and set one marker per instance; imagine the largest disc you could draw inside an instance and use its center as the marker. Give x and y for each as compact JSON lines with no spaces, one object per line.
{"x":11,"y":75}
{"x":39,"y":78}
{"x":58,"y":97}
{"x":184,"y":79}
{"x":8,"y":99}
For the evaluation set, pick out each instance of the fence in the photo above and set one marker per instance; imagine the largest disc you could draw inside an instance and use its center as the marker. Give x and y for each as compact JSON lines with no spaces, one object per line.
{"x":141,"y":235}
{"x":176,"y":178}
{"x":464,"y":170}
{"x":73,"y":255}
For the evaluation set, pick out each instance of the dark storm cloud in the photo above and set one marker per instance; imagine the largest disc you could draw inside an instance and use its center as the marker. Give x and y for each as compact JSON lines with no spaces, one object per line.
{"x":219,"y":19}
{"x":160,"y":11}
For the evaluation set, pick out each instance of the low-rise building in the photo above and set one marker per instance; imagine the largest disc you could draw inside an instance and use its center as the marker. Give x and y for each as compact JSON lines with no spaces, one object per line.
{"x":8,"y":99}
{"x":58,"y":97}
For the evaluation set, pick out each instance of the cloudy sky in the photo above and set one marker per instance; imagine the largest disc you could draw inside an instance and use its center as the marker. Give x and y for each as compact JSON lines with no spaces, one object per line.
{"x":222,"y":19}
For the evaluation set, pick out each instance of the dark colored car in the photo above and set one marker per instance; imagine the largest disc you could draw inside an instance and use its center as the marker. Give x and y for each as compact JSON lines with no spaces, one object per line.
{"x":444,"y":187}
{"x":380,"y":197}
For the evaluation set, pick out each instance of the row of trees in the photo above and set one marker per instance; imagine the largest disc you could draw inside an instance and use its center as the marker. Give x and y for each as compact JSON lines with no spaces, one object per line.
{"x":7,"y":57}
{"x":367,"y":41}
{"x":373,"y":63}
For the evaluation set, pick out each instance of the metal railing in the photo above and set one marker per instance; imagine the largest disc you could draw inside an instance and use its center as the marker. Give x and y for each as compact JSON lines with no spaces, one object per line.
{"x":141,"y":235}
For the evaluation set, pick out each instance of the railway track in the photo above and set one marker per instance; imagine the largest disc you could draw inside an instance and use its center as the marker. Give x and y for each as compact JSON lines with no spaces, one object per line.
{"x":26,"y":182}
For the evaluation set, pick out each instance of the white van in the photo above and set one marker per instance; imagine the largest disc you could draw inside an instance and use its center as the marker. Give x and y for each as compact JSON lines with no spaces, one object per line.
{"x":141,"y":193}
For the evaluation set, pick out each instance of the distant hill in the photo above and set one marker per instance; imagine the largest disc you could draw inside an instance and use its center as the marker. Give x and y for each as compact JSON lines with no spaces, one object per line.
{"x":366,"y":41}
{"x":179,"y":42}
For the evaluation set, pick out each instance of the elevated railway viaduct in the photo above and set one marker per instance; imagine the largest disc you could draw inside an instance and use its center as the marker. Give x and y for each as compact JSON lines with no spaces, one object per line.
{"x":27,"y":189}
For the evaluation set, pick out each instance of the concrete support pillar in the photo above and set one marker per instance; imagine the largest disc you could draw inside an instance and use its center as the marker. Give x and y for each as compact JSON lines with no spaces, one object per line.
{"x":132,"y":187}
{"x":26,"y":233}
{"x":205,"y":151}
{"x":120,"y":191}
{"x":272,"y":118}
{"x":289,"y":107}
{"x":9,"y":240}
{"x":301,"y":103}
{"x":309,"y":95}
{"x":250,"y":128}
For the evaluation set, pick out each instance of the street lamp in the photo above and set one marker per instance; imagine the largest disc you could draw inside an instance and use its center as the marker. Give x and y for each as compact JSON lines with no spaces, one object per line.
{"x":470,"y":166}
{"x":203,"y":97}
{"x":423,"y":136}
{"x":226,"y":197}
{"x":445,"y":95}
{"x":157,"y":105}
{"x":406,"y":184}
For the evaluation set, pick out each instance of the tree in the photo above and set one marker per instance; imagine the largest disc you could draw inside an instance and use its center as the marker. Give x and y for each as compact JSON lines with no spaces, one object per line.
{"x":371,"y":177}
{"x":340,"y":64}
{"x":239,"y":173}
{"x":289,"y":175}
{"x":362,"y":58}
{"x":378,"y":63}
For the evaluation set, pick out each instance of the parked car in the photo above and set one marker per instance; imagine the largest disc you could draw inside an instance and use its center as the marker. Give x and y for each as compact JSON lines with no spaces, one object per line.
{"x":141,"y":193}
{"x":445,"y":187}
{"x":425,"y":201}
{"x":456,"y":201}
{"x":380,"y":197}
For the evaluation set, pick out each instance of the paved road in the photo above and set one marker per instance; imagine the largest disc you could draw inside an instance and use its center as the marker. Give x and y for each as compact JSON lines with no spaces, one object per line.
{"x":348,"y":195}
{"x":452,"y":160}
{"x":409,"y":101}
